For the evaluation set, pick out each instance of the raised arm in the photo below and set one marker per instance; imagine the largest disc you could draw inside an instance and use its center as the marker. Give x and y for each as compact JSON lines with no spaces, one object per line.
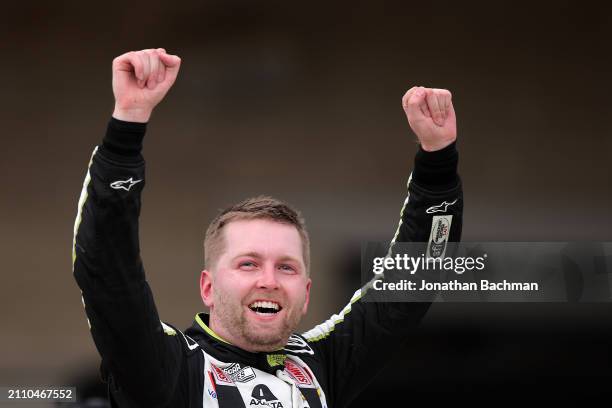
{"x":356,"y":343}
{"x":141,"y":357}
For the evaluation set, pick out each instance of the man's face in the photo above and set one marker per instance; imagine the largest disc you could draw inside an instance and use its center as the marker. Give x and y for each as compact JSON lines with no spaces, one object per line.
{"x":258,"y":290}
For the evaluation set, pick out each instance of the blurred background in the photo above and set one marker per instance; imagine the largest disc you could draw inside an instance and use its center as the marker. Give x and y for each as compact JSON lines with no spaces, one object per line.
{"x":302,"y":101}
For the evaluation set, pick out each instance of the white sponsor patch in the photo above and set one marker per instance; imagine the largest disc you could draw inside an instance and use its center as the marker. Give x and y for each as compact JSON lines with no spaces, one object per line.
{"x":438,"y":237}
{"x":240,"y":374}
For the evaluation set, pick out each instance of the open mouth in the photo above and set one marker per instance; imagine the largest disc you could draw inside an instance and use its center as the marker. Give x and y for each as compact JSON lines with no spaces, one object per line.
{"x":265,"y":308}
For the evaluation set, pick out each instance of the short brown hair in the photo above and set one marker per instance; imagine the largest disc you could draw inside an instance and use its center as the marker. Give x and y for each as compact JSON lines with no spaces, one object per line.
{"x":260,"y":207}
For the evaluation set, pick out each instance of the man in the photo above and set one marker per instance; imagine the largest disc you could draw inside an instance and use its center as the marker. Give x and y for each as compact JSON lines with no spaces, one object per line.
{"x":256,"y":279}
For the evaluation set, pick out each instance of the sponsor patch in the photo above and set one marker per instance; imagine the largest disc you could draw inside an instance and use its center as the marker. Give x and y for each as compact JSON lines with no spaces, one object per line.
{"x":240,"y":374}
{"x":297,"y":373}
{"x":220,"y":376}
{"x":438,"y":237}
{"x":276,"y":359}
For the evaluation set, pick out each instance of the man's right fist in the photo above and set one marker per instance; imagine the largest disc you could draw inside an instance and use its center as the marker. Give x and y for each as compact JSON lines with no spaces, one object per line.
{"x":141,"y":79}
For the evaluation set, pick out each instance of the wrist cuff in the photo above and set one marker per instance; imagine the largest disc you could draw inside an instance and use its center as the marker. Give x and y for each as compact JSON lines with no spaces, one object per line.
{"x":124,"y":138}
{"x":436,"y":170}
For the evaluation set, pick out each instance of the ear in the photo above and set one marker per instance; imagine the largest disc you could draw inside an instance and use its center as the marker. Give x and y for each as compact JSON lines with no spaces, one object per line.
{"x":206,"y":288}
{"x":307,"y":300}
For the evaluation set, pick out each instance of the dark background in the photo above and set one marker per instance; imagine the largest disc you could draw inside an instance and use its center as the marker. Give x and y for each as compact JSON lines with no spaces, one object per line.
{"x":301,"y":100}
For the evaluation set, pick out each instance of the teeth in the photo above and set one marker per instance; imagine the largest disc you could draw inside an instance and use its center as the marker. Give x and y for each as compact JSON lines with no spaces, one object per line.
{"x":265,"y":304}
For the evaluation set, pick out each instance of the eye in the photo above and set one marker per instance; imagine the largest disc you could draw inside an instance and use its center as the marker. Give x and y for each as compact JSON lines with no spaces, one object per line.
{"x":247,"y":265}
{"x":286,"y":268}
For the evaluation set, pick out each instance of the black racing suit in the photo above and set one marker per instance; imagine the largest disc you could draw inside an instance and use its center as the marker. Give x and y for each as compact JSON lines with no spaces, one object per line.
{"x":148,"y":363}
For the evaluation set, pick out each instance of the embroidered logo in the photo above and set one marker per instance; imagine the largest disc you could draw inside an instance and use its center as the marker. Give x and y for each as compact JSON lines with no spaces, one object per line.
{"x":240,"y":374}
{"x":220,"y":376}
{"x":276,"y":359}
{"x":440,"y":207}
{"x":124,"y":184}
{"x":262,"y":395}
{"x":297,"y":373}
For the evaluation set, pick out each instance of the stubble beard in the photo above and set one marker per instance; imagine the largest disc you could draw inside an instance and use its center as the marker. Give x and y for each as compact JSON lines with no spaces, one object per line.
{"x":232,"y":318}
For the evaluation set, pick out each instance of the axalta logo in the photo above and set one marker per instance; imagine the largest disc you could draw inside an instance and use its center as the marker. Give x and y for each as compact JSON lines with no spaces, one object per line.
{"x":262,"y":396}
{"x":124,"y":184}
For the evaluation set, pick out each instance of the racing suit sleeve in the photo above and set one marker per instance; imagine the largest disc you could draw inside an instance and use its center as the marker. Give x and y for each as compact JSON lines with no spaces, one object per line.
{"x":357,"y":343}
{"x":141,"y":357}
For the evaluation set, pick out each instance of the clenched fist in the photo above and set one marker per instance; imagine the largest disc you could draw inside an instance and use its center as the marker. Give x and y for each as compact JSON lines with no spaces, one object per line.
{"x":141,"y":79}
{"x":431,"y":116}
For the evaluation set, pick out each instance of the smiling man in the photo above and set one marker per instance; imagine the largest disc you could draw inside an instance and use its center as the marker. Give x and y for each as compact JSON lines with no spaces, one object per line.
{"x":256,"y":281}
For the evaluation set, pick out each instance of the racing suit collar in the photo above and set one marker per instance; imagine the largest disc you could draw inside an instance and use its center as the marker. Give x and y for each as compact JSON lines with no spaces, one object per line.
{"x":224,"y":351}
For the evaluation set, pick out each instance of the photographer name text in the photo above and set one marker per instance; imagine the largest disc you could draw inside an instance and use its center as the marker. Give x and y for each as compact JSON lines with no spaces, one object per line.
{"x":455,"y":285}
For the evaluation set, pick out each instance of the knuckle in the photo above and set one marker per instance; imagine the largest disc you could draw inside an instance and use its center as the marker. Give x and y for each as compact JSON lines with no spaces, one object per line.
{"x":413,"y":102}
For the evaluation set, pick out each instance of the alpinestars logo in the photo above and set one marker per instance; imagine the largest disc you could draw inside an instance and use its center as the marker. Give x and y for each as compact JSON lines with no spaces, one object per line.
{"x":124,"y":184}
{"x":262,"y":396}
{"x":440,"y":207}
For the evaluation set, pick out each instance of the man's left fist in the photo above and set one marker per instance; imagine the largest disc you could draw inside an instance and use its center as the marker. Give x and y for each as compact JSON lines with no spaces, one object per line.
{"x":431,"y":116}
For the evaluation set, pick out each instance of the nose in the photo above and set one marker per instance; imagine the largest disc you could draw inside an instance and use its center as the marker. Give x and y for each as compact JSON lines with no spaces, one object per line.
{"x":267,"y":278}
